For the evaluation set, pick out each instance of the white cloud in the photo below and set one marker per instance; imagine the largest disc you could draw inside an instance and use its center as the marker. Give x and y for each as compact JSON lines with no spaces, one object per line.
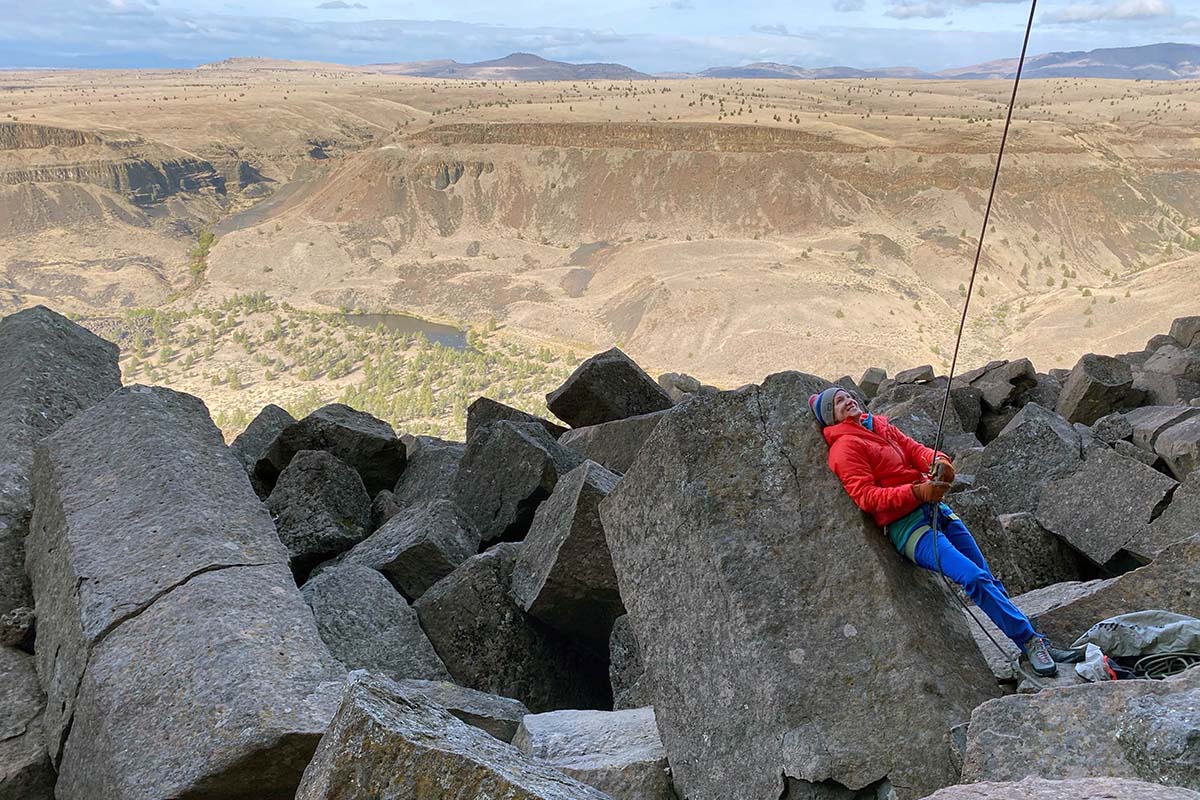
{"x":1123,"y":10}
{"x":338,"y":4}
{"x":848,"y":5}
{"x":906,"y":9}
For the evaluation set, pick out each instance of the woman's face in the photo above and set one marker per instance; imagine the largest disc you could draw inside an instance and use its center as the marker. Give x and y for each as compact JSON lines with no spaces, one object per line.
{"x":845,"y":407}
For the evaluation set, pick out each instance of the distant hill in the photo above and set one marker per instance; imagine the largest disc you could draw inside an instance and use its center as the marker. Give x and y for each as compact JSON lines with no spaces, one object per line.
{"x":770,"y":69}
{"x":514,"y":67}
{"x":1162,"y":62}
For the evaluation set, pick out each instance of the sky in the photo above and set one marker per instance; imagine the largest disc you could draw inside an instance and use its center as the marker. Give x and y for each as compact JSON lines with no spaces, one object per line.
{"x":649,"y":35}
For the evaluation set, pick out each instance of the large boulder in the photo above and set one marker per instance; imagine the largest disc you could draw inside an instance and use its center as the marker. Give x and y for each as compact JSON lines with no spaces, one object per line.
{"x":488,"y":643}
{"x":429,"y":471}
{"x":766,"y":605}
{"x":1186,"y":331}
{"x":484,"y":411}
{"x":1020,"y":552}
{"x":50,"y":370}
{"x":1001,"y":382}
{"x":921,"y":374}
{"x":613,"y":444}
{"x":252,"y":443}
{"x":625,"y":668}
{"x":25,"y":771}
{"x":355,"y":437}
{"x":320,"y":508}
{"x":1170,"y":582}
{"x":1179,"y":446}
{"x":918,"y":414}
{"x":177,"y":656}
{"x":386,"y":742}
{"x":1148,"y":422}
{"x":499,"y":716}
{"x":418,"y":547}
{"x":508,"y":469}
{"x":1073,"y":789}
{"x":605,"y":387}
{"x":617,"y":752}
{"x":1034,"y":448}
{"x":1108,"y":500}
{"x":870,"y":381}
{"x":1165,"y":389}
{"x":368,"y":625}
{"x":1098,"y":385}
{"x":1145,"y":730}
{"x":564,"y":575}
{"x":1180,"y":520}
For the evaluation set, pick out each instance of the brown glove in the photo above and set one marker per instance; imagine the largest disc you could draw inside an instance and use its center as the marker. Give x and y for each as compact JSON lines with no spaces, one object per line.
{"x":947,"y":470}
{"x":930,"y":491}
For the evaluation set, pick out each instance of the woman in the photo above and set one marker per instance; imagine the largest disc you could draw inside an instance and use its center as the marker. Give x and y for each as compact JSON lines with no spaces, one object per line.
{"x":886,"y":473}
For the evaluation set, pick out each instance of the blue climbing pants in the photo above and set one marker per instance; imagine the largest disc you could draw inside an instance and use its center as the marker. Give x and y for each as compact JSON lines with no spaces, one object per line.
{"x":964,"y":564}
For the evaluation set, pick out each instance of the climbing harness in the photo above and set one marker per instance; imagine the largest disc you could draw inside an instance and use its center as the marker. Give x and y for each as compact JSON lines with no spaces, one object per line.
{"x":935,"y":469}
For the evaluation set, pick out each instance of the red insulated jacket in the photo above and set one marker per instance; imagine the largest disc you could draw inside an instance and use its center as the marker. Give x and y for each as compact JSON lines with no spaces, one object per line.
{"x":878,"y":467}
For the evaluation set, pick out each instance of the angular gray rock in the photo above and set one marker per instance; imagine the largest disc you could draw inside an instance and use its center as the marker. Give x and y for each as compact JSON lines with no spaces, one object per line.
{"x":386,"y":742}
{"x":1180,"y":520}
{"x":617,"y":752}
{"x":613,"y":444}
{"x":367,"y":444}
{"x":50,"y":370}
{"x":1108,"y":500}
{"x":1186,"y":331}
{"x":1170,"y":582}
{"x":1145,"y":730}
{"x":605,"y":387}
{"x":430,"y":470}
{"x":1033,"y":449}
{"x":564,"y":575}
{"x":625,"y":669}
{"x":1113,"y":428}
{"x":1148,"y":422}
{"x":499,"y":716}
{"x":17,"y":628}
{"x":921,"y":374}
{"x":681,"y":386}
{"x":418,"y":547}
{"x":1131,"y":450}
{"x":1179,"y":446}
{"x":175,"y":651}
{"x":383,"y":507}
{"x":252,"y":443}
{"x":1098,"y":385}
{"x":320,"y":508}
{"x":917,"y":412}
{"x":25,"y":771}
{"x":741,"y":560}
{"x":508,"y":469}
{"x":1045,"y":392}
{"x":1020,"y":552}
{"x":1165,"y":389}
{"x":1073,"y":789}
{"x":870,"y":380}
{"x":368,"y":625}
{"x":1001,"y":382}
{"x":484,"y":410}
{"x":490,"y":644}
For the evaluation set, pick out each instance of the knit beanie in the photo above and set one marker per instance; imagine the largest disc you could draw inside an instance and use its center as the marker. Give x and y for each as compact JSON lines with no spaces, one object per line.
{"x":822,"y":405}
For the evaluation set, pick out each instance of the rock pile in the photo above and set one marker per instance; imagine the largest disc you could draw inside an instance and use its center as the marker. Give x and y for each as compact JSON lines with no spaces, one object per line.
{"x":671,"y":597}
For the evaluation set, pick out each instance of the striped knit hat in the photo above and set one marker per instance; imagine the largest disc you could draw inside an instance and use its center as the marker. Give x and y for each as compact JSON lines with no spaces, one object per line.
{"x":822,"y":405}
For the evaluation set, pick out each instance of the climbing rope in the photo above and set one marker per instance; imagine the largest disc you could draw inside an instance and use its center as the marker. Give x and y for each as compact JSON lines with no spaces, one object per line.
{"x":1014,"y":662}
{"x":1164,"y":665}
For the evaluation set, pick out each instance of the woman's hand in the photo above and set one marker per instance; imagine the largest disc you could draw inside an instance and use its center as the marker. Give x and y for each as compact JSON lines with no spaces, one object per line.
{"x":943,"y":470}
{"x":930,"y":491}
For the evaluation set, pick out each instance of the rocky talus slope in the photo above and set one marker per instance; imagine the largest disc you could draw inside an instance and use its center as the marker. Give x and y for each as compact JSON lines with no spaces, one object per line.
{"x":669,"y":597}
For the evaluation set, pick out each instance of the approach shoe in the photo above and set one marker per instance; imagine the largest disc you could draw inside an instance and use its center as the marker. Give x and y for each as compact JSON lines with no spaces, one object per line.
{"x":1039,"y":657}
{"x":1061,"y":655}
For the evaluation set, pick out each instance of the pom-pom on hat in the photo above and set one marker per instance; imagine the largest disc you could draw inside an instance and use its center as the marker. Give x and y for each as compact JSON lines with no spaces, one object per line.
{"x":822,"y":405}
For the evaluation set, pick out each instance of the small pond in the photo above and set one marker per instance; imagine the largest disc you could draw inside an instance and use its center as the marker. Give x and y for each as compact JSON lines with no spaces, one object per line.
{"x":446,"y":335}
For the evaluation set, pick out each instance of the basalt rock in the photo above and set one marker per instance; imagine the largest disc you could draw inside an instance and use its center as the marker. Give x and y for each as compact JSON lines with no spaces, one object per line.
{"x":1186,"y":331}
{"x":1144,"y":730}
{"x":1179,"y":446}
{"x":320,"y":508}
{"x":1036,"y":447}
{"x":1113,"y":428}
{"x":384,"y":506}
{"x":747,"y":571}
{"x":1072,"y":789}
{"x":625,"y":670}
{"x":25,"y":771}
{"x":613,"y":444}
{"x":921,"y":374}
{"x":618,"y":752}
{"x":606,"y":387}
{"x":367,"y":444}
{"x":508,"y":469}
{"x":564,"y":575}
{"x":870,"y":381}
{"x":50,"y":370}
{"x":430,"y":470}
{"x":252,"y":443}
{"x":499,"y":716}
{"x":488,"y":643}
{"x":368,"y":625}
{"x":1098,"y":385}
{"x":485,"y":410}
{"x":177,"y":656}
{"x":387,"y":742}
{"x":418,"y":547}
{"x":1180,"y":520}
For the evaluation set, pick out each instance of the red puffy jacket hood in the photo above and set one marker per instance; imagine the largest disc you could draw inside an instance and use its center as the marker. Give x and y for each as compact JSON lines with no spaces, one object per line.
{"x":878,"y":467}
